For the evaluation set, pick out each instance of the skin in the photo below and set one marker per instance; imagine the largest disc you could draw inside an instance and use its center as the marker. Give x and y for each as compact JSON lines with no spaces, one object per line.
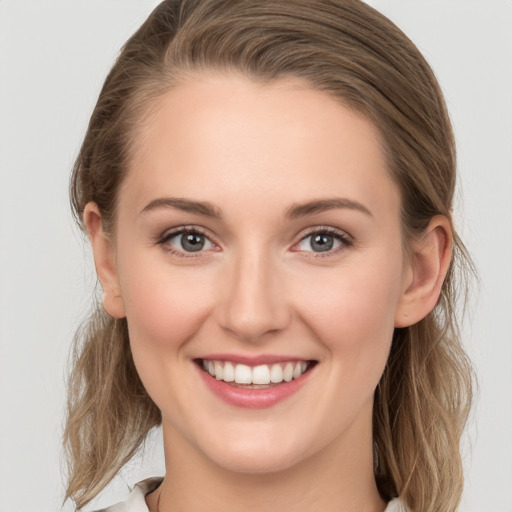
{"x":258,"y":287}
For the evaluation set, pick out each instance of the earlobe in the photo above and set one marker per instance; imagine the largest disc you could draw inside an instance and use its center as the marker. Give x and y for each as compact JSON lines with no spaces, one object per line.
{"x":105,"y":262}
{"x":428,"y":265}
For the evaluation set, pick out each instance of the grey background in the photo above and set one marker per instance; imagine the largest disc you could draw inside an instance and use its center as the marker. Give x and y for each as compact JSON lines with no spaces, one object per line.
{"x":54,"y":55}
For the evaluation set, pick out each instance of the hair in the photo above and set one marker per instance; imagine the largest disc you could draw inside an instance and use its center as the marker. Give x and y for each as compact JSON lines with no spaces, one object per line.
{"x":359,"y":57}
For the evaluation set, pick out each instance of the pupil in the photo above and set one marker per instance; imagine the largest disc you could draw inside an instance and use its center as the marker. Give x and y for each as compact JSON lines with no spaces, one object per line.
{"x":192,"y":242}
{"x":322,"y":243}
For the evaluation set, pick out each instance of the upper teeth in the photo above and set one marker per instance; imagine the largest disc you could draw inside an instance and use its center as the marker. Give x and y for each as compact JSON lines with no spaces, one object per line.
{"x":262,"y":374}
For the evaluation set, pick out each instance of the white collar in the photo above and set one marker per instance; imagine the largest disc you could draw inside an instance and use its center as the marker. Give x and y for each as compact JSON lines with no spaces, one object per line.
{"x":136,"y":501}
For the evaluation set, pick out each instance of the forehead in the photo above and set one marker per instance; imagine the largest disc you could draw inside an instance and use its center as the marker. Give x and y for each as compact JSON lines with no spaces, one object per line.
{"x":217,"y":136}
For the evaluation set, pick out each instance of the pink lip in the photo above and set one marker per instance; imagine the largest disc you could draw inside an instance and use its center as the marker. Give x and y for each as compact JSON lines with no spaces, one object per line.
{"x":252,"y":398}
{"x":252,"y":360}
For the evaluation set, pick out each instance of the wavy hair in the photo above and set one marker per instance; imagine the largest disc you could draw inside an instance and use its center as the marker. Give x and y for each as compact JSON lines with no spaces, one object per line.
{"x":355,"y":54}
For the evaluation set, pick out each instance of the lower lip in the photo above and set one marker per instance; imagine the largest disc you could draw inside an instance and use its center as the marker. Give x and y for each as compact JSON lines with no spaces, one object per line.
{"x":253,"y":398}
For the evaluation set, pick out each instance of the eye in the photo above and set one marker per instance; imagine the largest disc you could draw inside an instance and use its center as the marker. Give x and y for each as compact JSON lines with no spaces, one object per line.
{"x":324,"y":241}
{"x":186,"y":241}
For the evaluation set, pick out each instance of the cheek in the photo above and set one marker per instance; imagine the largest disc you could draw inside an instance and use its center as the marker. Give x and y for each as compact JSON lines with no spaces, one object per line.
{"x":165,"y":309}
{"x":165,"y":305}
{"x":352,"y":313}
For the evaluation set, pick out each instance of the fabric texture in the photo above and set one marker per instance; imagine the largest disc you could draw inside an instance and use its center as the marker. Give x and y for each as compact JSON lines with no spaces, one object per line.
{"x":136,"y":502}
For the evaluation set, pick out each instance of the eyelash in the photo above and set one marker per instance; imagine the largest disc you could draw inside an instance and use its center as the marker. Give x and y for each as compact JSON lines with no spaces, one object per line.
{"x":181,"y":231}
{"x":345,"y":240}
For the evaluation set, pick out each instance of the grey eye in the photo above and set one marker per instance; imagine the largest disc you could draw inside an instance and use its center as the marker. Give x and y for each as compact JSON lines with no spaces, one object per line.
{"x":190,"y":241}
{"x":320,"y":242}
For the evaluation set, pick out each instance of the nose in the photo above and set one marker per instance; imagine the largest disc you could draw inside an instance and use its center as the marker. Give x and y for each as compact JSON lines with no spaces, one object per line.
{"x":254,"y":302}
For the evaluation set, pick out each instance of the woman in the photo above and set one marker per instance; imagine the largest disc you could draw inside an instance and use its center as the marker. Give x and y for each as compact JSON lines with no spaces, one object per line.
{"x":267,"y":188}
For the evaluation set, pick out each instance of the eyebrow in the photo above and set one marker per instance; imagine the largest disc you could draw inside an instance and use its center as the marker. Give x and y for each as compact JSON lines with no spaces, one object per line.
{"x":295,"y":211}
{"x":321,"y":205}
{"x":186,"y":205}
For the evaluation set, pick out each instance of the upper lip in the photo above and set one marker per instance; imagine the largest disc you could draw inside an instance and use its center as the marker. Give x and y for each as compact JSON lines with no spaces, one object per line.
{"x":253,"y":360}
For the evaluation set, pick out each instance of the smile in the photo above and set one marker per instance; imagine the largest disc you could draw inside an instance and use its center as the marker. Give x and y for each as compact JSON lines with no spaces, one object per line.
{"x":254,"y":386}
{"x":260,"y":375}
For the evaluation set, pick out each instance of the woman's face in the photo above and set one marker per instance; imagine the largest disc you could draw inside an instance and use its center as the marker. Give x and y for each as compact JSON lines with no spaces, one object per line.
{"x":258,"y":227}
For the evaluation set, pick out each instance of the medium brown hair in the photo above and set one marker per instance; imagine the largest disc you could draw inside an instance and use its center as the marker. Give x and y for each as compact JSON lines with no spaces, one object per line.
{"x":350,"y":51}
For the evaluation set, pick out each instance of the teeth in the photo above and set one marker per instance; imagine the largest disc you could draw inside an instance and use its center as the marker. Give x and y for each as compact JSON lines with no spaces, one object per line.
{"x":288,"y":372}
{"x":276,"y":373}
{"x":229,"y":372}
{"x":219,"y":371}
{"x":261,"y":374}
{"x":243,"y":374}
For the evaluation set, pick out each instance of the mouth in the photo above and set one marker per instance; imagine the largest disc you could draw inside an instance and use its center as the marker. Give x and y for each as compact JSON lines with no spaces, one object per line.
{"x":261,"y":376}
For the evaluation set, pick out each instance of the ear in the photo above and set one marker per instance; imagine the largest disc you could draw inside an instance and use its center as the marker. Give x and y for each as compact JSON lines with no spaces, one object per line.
{"x":105,"y":261}
{"x":427,"y":268}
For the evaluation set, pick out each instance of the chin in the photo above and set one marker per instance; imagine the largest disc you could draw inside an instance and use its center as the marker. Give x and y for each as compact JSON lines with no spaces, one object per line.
{"x":256,"y":463}
{"x":256,"y":456}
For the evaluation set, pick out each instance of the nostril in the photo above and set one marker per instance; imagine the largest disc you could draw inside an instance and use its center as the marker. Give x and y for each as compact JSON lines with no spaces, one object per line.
{"x":253,"y":308}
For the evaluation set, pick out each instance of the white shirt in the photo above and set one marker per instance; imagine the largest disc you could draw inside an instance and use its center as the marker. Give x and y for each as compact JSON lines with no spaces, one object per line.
{"x":136,"y":502}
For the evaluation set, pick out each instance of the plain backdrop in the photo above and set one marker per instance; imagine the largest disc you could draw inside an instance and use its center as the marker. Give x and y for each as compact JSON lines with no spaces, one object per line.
{"x":54,"y":55}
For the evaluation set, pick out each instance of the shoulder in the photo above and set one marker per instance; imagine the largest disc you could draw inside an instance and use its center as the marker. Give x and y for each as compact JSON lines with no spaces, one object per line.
{"x":136,"y":501}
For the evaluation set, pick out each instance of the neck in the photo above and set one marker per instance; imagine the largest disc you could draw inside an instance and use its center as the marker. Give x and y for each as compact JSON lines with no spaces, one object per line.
{"x":337,"y":479}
